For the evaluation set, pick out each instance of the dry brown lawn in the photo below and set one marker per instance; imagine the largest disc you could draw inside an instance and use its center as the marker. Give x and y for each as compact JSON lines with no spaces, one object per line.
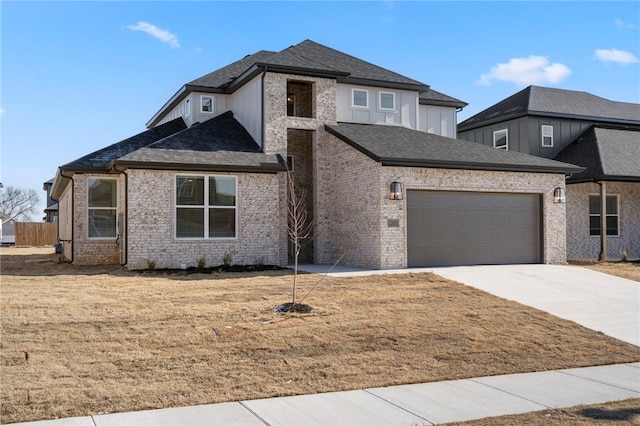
{"x":80,"y":341}
{"x":619,"y":413}
{"x":628,"y":270}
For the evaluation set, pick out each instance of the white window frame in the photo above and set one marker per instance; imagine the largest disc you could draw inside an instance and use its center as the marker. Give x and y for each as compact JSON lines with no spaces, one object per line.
{"x":353,"y":98}
{"x":202,"y":98}
{"x":608,"y":215}
{"x":393,"y":97}
{"x":187,"y":108}
{"x":506,"y":139}
{"x":113,"y":208}
{"x":546,"y":131}
{"x":205,"y":207}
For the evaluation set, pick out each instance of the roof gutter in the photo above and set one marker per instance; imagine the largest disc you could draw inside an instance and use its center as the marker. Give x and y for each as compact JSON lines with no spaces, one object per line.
{"x":261,"y":168}
{"x":597,"y":179}
{"x":435,"y":164}
{"x":501,"y":119}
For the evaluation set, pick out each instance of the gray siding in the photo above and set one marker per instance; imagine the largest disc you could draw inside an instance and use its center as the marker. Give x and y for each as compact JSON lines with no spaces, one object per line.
{"x":525,"y":134}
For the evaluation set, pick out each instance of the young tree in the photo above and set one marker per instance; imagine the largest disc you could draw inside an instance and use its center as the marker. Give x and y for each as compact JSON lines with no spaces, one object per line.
{"x":300,"y":225}
{"x":18,"y":203}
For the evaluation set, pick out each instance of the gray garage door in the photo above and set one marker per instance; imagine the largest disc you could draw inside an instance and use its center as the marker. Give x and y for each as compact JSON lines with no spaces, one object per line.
{"x":472,"y":228}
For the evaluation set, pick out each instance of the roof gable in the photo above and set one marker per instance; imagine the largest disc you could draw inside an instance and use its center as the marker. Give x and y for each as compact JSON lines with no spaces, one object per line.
{"x":607,"y":154}
{"x":400,"y":146}
{"x":535,"y":100}
{"x":311,"y":55}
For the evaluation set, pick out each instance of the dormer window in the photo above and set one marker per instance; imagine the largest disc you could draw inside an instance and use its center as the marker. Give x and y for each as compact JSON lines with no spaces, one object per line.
{"x":387,"y":101}
{"x":500,"y":139}
{"x":206,"y":104}
{"x":359,"y":98}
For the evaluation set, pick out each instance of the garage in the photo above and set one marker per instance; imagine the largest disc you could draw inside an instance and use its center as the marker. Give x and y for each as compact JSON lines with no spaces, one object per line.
{"x":447,"y":228}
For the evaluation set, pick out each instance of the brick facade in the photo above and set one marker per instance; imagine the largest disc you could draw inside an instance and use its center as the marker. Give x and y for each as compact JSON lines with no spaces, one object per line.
{"x":92,"y":251}
{"x":361,"y":206}
{"x":581,"y":245}
{"x":348,"y":195}
{"x":151,"y":223}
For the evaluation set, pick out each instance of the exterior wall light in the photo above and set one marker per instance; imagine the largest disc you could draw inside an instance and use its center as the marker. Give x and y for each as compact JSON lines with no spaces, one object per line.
{"x":395,"y":192}
{"x":559,"y":196}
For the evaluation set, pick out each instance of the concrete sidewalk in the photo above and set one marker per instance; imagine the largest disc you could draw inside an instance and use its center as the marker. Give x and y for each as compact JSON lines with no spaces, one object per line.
{"x":419,"y":404}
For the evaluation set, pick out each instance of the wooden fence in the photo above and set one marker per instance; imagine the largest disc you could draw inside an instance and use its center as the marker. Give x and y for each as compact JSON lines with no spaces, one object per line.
{"x":36,"y":234}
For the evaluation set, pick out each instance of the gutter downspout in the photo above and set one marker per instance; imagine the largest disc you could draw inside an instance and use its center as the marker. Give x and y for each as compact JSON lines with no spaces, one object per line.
{"x":263,"y":130}
{"x":123,"y":239}
{"x":73,"y":210}
{"x":603,"y":221}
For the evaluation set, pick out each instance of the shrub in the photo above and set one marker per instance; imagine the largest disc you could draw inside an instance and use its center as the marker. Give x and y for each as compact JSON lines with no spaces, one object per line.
{"x":151,"y":264}
{"x":227,"y":260}
{"x":201,"y":263}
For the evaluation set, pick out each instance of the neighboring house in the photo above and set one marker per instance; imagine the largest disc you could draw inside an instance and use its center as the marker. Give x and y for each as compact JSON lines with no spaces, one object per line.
{"x":600,"y":135}
{"x":388,"y":184}
{"x":51,"y":212}
{"x":7,"y":230}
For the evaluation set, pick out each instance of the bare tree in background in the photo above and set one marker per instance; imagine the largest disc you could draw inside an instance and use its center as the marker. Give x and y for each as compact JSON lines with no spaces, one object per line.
{"x":18,"y":203}
{"x":300,"y":225}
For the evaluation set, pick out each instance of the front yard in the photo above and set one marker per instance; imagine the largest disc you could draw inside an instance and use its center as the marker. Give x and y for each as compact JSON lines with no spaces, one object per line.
{"x":81,"y":341}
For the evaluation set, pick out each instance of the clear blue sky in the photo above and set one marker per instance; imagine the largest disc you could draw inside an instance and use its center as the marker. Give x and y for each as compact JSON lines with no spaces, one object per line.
{"x":78,"y":76}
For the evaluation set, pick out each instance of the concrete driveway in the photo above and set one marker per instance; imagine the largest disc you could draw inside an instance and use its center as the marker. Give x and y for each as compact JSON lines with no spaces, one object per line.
{"x":595,"y":300}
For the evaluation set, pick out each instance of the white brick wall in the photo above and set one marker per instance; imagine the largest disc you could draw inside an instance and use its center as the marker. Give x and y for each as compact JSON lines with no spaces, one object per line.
{"x":151,"y":227}
{"x":92,"y":251}
{"x":581,"y":245}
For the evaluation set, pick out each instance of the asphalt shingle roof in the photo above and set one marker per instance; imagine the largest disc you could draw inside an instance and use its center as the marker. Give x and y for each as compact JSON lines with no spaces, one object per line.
{"x":400,"y":146}
{"x":306,"y":58}
{"x":606,"y":153}
{"x":219,"y":143}
{"x":535,"y":100}
{"x":433,"y":97}
{"x":103,"y":157}
{"x":307,"y":55}
{"x":220,"y":78}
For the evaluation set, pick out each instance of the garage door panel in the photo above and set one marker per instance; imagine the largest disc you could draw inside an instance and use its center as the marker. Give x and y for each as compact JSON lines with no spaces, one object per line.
{"x":467,"y":228}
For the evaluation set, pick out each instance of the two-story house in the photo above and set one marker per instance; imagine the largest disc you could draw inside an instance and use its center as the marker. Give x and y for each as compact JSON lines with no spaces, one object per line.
{"x":51,"y":211}
{"x":601,"y":135}
{"x":387,"y":182}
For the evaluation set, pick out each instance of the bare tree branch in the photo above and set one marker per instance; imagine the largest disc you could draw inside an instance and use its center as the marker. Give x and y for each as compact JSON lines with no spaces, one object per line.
{"x":18,"y":203}
{"x":300,"y":227}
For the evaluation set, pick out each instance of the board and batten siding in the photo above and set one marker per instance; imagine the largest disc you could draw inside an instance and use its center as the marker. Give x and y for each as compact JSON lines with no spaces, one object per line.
{"x":247,"y":108}
{"x":404,"y":114}
{"x":220,"y":105}
{"x":525,"y":134}
{"x":437,"y":120}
